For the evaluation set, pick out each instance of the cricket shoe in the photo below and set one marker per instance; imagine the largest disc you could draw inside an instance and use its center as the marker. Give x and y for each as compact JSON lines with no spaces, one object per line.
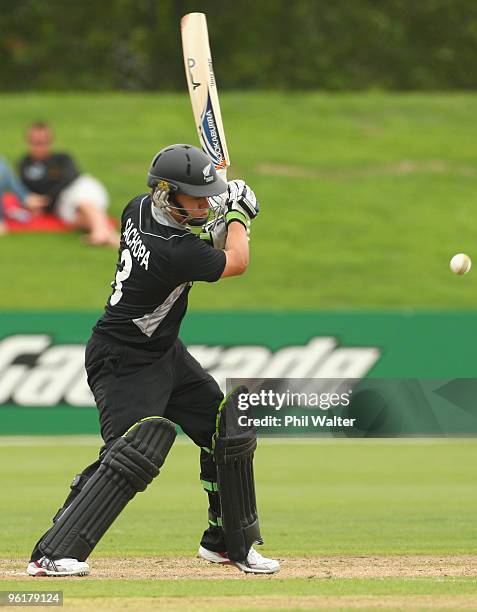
{"x":254,"y":564}
{"x":60,"y":567}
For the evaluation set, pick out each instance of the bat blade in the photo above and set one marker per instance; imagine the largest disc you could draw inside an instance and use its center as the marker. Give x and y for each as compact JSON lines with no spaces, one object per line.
{"x":203,"y":90}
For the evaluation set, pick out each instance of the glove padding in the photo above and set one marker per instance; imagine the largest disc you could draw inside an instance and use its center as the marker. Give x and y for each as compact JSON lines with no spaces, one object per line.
{"x":215,"y":233}
{"x":241,"y":204}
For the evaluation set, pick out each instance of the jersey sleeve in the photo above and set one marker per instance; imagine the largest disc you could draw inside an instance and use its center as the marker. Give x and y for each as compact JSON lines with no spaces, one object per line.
{"x":192,"y":259}
{"x":22,"y":164}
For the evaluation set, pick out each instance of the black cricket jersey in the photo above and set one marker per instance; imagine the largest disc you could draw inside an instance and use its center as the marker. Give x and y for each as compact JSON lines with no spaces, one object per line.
{"x":158,"y":261}
{"x":48,"y":176}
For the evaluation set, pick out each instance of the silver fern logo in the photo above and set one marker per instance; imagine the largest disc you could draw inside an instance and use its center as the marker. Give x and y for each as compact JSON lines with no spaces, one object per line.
{"x":206,"y":172}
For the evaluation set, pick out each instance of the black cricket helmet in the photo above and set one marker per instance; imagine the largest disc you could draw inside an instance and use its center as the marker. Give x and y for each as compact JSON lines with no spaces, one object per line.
{"x":182,"y":168}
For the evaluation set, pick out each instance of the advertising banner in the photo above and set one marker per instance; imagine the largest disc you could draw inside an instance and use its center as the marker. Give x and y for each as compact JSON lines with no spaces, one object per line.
{"x":43,"y":385}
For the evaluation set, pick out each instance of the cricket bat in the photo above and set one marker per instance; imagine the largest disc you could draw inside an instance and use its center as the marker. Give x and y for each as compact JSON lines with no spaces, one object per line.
{"x":203,"y":90}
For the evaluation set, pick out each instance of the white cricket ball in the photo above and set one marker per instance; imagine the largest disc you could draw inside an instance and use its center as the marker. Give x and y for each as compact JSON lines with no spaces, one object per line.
{"x":460,"y":263}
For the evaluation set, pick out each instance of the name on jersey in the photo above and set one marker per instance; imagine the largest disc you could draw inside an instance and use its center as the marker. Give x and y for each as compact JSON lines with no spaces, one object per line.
{"x":132,"y":237}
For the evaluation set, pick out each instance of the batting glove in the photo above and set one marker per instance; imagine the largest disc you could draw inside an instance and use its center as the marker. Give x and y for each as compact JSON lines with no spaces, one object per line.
{"x":215,"y":233}
{"x":241,"y":204}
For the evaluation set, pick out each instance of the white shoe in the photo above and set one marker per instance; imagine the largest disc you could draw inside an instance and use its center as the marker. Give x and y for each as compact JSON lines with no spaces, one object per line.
{"x":60,"y":567}
{"x":255,"y":563}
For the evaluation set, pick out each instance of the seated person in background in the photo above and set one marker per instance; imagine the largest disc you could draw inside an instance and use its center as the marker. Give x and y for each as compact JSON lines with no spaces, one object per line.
{"x":78,"y":199}
{"x":10,"y":184}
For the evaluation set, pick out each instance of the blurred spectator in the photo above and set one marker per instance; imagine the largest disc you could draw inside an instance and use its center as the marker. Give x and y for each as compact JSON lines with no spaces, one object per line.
{"x":78,"y":199}
{"x":10,"y":184}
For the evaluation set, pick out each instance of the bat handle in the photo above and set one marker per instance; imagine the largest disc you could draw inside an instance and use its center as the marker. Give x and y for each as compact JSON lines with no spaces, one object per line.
{"x":222,"y":172}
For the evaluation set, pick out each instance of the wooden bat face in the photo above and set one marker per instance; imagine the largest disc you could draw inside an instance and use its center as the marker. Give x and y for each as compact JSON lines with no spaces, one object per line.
{"x":203,"y":89}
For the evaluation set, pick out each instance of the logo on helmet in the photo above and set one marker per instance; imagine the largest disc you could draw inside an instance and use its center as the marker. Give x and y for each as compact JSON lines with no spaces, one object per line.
{"x":163,"y":185}
{"x":206,"y":172}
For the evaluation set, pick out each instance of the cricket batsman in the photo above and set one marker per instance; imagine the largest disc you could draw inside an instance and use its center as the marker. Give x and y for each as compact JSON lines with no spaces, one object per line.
{"x":145,"y":381}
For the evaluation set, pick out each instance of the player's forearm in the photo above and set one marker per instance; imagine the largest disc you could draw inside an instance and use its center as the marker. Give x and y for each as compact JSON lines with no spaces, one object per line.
{"x":236,"y":250}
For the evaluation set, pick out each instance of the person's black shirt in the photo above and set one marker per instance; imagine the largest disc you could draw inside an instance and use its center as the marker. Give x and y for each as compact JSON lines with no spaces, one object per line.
{"x":158,"y":261}
{"x":48,"y":176}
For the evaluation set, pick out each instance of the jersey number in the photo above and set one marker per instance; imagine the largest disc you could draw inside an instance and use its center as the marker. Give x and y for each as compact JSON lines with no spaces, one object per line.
{"x":121,"y":276}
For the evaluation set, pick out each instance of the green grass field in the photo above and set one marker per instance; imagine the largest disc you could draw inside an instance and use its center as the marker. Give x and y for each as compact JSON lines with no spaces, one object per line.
{"x":364,"y":199}
{"x":388,"y":523}
{"x":364,"y":196}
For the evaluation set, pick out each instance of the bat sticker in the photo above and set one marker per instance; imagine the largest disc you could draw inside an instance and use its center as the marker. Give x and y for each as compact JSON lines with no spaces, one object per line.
{"x":210,"y":136}
{"x":191,"y":63}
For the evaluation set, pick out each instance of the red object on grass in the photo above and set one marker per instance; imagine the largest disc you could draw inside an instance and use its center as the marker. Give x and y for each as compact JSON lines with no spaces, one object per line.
{"x":36,"y":223}
{"x":43,"y":222}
